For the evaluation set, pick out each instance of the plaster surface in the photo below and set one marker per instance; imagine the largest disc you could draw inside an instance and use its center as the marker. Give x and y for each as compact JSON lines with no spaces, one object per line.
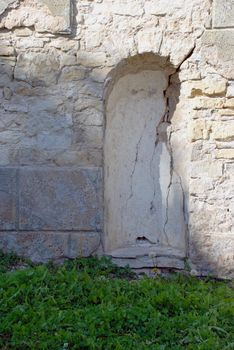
{"x":142,"y":194}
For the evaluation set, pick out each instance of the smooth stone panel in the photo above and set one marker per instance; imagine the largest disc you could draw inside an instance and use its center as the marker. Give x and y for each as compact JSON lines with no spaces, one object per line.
{"x":43,"y":246}
{"x":218,"y":51}
{"x":8,"y":198}
{"x":143,"y":203}
{"x":223,"y":13}
{"x":4,"y":5}
{"x":60,"y":199}
{"x":61,"y":8}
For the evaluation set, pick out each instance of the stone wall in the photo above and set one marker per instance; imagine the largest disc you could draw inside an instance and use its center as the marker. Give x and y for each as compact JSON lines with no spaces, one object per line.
{"x":59,"y":63}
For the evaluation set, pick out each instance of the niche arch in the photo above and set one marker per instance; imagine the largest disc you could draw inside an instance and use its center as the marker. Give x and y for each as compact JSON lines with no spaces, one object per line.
{"x":143,"y":196}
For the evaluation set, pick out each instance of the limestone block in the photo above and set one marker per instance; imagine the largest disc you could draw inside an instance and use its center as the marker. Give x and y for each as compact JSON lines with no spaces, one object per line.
{"x":223,"y":39}
{"x":223,"y":131}
{"x":81,"y":156}
{"x":72,"y":73}
{"x":200,"y":103}
{"x":127,"y":7}
{"x":149,"y":40}
{"x":6,"y":50}
{"x":162,"y":7}
{"x":91,"y":59}
{"x":212,"y":253}
{"x":212,"y":85}
{"x":60,"y":199}
{"x":21,"y":32}
{"x":88,"y":102}
{"x":199,"y":187}
{"x":90,"y":117}
{"x":27,"y":42}
{"x":225,"y":153}
{"x":44,"y":246}
{"x":60,"y":8}
{"x":229,"y":103}
{"x":68,"y":60}
{"x":218,"y":51}
{"x":198,"y":130}
{"x":223,"y":13}
{"x":47,"y":16}
{"x":65,"y":44}
{"x":88,"y":135}
{"x":8,"y":198}
{"x":37,"y":68}
{"x":208,"y":168}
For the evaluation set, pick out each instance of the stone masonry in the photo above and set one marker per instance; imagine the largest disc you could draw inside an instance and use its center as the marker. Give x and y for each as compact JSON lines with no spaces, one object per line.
{"x":117,"y":131}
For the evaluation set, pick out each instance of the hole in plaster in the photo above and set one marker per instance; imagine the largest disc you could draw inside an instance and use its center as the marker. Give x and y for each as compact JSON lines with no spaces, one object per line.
{"x":142,"y":240}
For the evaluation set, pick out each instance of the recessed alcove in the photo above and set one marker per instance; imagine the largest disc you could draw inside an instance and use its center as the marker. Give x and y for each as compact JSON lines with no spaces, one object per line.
{"x":143,"y":195}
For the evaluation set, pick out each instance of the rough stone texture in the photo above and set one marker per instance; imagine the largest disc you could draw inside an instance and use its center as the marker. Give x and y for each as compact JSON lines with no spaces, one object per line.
{"x":32,"y":13}
{"x":8,"y":199}
{"x":42,"y":246}
{"x":223,"y":13}
{"x":59,"y":199}
{"x":55,"y":90}
{"x":218,"y":51}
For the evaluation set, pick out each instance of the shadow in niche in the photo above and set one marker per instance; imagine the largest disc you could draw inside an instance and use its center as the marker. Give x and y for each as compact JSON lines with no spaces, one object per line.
{"x":144,"y":200}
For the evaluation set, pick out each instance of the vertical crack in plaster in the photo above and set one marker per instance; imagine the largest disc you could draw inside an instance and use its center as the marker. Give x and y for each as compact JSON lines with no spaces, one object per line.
{"x":135,"y":163}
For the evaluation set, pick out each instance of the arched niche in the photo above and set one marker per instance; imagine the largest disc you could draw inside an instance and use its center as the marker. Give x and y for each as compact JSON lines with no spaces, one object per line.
{"x":143,"y":197}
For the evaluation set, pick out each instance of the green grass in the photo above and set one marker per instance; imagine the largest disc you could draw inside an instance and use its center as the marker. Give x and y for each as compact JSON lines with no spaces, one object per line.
{"x":92,"y":304}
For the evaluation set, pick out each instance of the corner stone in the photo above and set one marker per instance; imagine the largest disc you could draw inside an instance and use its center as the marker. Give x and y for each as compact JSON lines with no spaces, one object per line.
{"x":223,"y":15}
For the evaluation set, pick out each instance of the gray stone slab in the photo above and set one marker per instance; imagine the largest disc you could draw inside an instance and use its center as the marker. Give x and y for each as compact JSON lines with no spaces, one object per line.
{"x":4,"y":5}
{"x":44,"y":246}
{"x":8,"y":199}
{"x":223,"y":40}
{"x":146,"y":262}
{"x":61,"y":8}
{"x":60,"y":199}
{"x":218,"y":51}
{"x":223,"y":13}
{"x":152,"y":250}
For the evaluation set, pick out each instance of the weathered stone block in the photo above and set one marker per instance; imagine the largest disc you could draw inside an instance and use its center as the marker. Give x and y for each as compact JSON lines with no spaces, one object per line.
{"x":223,"y":40}
{"x":8,"y":199}
{"x":198,"y":130}
{"x":225,"y":153}
{"x":212,"y":253}
{"x":223,"y":131}
{"x":229,"y":103}
{"x":60,"y":199}
{"x":208,"y":168}
{"x":61,"y":8}
{"x":43,"y":246}
{"x":72,"y":73}
{"x":162,"y":7}
{"x":223,"y":14}
{"x":6,"y":50}
{"x":212,"y":85}
{"x":44,"y":67}
{"x":91,"y":59}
